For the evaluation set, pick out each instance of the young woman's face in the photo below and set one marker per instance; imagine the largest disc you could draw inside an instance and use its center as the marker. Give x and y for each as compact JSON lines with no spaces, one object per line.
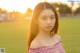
{"x":46,"y":20}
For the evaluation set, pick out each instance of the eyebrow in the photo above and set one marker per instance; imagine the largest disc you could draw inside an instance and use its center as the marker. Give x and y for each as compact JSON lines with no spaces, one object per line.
{"x":46,"y":16}
{"x":52,"y":15}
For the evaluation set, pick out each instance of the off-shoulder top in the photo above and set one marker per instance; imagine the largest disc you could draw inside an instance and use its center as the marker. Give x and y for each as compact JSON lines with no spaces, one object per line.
{"x":57,"y":48}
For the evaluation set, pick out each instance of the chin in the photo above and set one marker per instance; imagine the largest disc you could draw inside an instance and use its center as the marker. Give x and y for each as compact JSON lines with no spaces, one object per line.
{"x":47,"y":30}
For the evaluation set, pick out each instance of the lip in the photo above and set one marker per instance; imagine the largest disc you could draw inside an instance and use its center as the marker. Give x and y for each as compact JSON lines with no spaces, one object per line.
{"x":49,"y":27}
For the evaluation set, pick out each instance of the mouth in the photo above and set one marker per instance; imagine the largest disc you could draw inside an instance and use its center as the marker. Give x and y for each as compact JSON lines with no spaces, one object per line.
{"x":49,"y":27}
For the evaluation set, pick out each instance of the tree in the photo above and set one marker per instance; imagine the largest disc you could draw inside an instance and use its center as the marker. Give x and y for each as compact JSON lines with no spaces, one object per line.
{"x":28,"y":12}
{"x":55,"y":5}
{"x":63,"y":8}
{"x":3,"y":10}
{"x":77,"y":10}
{"x":0,"y":9}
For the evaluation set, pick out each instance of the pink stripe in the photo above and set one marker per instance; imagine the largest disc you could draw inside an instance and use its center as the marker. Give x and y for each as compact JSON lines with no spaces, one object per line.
{"x":45,"y":46}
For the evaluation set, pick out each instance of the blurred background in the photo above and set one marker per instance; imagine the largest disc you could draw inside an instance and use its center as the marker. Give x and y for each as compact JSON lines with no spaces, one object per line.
{"x":15,"y":18}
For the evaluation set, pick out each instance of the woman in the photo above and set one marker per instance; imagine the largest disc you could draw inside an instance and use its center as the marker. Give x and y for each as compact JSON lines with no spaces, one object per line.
{"x":43,"y":37}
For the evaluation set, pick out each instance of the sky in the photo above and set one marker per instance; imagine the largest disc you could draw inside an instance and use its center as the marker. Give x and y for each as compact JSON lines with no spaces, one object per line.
{"x":22,"y":5}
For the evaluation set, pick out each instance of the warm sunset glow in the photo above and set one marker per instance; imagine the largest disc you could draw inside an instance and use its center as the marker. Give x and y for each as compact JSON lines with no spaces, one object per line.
{"x":22,"y":5}
{"x":18,"y":5}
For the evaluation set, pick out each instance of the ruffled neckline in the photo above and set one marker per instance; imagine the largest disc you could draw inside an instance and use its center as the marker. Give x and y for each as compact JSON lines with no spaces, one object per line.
{"x":45,"y":46}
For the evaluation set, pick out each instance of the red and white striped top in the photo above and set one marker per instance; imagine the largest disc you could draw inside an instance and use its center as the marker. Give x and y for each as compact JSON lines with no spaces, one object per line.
{"x":57,"y":48}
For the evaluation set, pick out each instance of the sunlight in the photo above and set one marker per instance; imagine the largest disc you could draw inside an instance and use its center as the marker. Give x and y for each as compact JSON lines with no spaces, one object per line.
{"x":18,"y":5}
{"x":22,"y":5}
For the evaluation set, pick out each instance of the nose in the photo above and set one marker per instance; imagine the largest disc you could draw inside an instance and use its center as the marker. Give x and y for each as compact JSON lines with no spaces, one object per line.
{"x":48,"y":21}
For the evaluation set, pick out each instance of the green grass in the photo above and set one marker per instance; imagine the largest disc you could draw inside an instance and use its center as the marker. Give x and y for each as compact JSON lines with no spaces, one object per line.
{"x":70,"y":33}
{"x":13,"y":35}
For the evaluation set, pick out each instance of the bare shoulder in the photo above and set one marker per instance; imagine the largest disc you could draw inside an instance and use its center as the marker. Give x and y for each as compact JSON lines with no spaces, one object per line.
{"x":34,"y":44}
{"x":58,"y":37}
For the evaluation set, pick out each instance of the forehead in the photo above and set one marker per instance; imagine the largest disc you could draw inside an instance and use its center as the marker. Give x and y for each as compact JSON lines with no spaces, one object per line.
{"x":47,"y":12}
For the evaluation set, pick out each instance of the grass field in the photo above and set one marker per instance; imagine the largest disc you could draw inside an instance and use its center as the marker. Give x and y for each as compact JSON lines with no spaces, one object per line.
{"x":13,"y":35}
{"x":70,"y":33}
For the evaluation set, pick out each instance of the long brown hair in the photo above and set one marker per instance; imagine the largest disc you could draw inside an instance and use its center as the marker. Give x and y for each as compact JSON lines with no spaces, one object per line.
{"x":34,"y":27}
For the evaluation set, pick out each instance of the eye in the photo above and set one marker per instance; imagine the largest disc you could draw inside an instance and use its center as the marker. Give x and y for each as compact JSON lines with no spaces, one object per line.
{"x":43,"y":18}
{"x":52,"y":17}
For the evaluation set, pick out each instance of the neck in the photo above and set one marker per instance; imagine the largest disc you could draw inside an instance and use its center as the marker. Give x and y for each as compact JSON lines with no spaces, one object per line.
{"x":43,"y":34}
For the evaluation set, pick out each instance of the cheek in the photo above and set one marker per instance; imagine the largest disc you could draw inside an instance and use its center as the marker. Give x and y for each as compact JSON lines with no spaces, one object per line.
{"x":53,"y":22}
{"x":41,"y":23}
